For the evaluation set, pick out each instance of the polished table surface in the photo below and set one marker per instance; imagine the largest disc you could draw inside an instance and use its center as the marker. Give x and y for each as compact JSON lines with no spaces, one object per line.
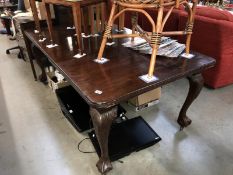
{"x":118,"y":79}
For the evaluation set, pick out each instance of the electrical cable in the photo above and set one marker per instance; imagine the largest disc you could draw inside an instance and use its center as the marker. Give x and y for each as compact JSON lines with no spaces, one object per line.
{"x":122,"y":117}
{"x":82,"y":150}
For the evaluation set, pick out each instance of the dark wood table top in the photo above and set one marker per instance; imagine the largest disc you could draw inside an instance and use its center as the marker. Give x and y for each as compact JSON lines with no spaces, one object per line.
{"x":117,"y":79}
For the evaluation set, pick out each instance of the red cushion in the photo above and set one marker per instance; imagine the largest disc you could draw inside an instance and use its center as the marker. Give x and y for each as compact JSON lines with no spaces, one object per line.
{"x":214,"y":13}
{"x":213,"y":37}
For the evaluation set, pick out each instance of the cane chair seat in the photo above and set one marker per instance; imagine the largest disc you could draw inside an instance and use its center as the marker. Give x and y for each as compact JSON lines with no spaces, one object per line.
{"x":148,"y":3}
{"x":153,"y":37}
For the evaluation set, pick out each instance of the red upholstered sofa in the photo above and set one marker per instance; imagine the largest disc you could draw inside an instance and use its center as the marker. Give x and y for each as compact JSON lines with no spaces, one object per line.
{"x":212,"y":36}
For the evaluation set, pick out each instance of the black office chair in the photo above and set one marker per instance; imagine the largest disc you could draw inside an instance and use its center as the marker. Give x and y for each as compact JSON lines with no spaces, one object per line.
{"x":20,"y":54}
{"x":21,"y":7}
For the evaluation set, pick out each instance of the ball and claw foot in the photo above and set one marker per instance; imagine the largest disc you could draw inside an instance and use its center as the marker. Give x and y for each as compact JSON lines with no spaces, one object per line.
{"x":184,"y":122}
{"x":104,"y":166}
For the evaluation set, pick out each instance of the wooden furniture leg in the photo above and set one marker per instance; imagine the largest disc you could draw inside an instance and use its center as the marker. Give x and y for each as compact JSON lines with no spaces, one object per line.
{"x":103,"y":15}
{"x":98,"y":17}
{"x":107,"y":31}
{"x":102,"y":123}
{"x":85,"y":21}
{"x":188,"y":37}
{"x":91,"y":19}
{"x":77,"y":23}
{"x":30,"y":55}
{"x":121,"y":19}
{"x":36,"y":18}
{"x":134,"y":22}
{"x":189,"y":27}
{"x":49,"y":21}
{"x":195,"y":85}
{"x":155,"y":41}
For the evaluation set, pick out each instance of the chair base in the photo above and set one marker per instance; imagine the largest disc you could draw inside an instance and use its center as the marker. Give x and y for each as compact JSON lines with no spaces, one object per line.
{"x":189,"y":56}
{"x":20,"y":54}
{"x":101,"y":61}
{"x":148,"y":79}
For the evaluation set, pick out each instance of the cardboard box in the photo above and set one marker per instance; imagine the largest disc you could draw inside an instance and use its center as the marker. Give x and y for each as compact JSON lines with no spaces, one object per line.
{"x":146,"y":100}
{"x":55,"y":84}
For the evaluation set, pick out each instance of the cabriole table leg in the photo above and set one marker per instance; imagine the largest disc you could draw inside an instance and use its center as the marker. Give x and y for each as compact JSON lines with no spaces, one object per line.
{"x":195,"y":85}
{"x":102,"y":123}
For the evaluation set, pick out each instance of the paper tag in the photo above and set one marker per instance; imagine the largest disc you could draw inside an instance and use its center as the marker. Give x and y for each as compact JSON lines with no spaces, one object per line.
{"x":148,"y":79}
{"x":85,"y":36}
{"x":101,"y":61}
{"x":51,"y":45}
{"x":42,"y":40}
{"x":79,"y":55}
{"x":98,"y":92}
{"x":122,"y":30}
{"x":189,"y":56}
{"x":59,"y":76}
{"x":135,"y":42}
{"x":110,"y":44}
{"x":70,"y":28}
{"x":95,"y":35}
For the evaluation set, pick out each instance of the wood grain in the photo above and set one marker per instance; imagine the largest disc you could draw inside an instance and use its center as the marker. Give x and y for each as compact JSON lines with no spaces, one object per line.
{"x":117,"y":79}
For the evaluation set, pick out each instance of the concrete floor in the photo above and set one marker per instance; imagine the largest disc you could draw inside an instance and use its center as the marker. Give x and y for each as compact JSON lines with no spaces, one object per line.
{"x":35,"y":138}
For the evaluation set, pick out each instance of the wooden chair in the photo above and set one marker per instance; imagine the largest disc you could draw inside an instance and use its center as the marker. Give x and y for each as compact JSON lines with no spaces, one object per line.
{"x":154,"y":37}
{"x":36,"y":18}
{"x":93,"y":19}
{"x":77,"y":6}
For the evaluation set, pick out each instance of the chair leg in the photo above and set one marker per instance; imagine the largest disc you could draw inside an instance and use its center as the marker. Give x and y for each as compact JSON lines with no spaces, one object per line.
{"x":107,"y":31}
{"x":91,"y":18}
{"x":16,"y":47}
{"x":153,"y":60}
{"x":49,"y":21}
{"x":21,"y":53}
{"x":155,"y":41}
{"x":121,"y":19}
{"x":36,"y":18}
{"x":103,"y":15}
{"x":84,"y":21}
{"x":134,"y":22}
{"x":7,"y":22}
{"x":188,"y":40}
{"x":76,"y":10}
{"x":98,"y":18}
{"x":13,"y":48}
{"x":189,"y":27}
